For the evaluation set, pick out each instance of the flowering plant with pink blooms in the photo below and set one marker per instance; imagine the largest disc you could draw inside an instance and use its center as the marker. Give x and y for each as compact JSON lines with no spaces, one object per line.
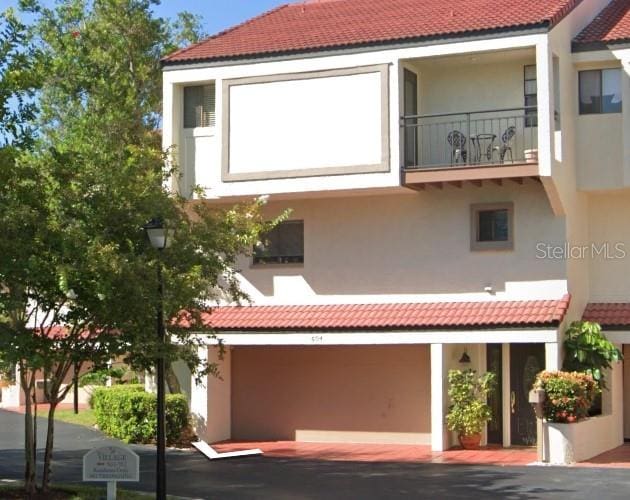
{"x":569,"y":395}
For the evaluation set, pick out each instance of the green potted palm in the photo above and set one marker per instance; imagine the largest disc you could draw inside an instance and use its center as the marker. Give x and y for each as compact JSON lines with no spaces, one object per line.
{"x":469,"y":411}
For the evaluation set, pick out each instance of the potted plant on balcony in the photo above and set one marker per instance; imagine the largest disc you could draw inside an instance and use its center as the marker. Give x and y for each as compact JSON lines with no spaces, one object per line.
{"x":469,"y":411}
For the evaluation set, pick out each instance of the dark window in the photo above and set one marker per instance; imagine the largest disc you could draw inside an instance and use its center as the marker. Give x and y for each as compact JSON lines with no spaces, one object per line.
{"x":199,"y":106}
{"x":531,"y":95}
{"x":492,"y":226}
{"x":284,"y":244}
{"x":600,"y":91}
{"x":411,"y":109}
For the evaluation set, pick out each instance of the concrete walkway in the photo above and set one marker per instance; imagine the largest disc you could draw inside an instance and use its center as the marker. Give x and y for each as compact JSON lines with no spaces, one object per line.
{"x":385,"y":453}
{"x":619,"y":458}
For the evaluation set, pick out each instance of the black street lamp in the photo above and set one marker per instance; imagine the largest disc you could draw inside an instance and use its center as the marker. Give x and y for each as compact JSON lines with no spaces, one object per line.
{"x":158,"y":236}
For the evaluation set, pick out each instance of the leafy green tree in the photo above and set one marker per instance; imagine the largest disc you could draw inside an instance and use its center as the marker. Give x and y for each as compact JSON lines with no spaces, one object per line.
{"x":79,"y":279}
{"x":17,"y":110}
{"x":588,"y":350}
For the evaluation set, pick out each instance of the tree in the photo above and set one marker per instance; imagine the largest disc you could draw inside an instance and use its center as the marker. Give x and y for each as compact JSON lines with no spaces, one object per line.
{"x":588,"y":350}
{"x":79,"y":277}
{"x":17,"y":84}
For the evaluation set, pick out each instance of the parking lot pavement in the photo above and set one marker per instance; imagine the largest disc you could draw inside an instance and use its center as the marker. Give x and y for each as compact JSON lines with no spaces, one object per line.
{"x":191,"y":475}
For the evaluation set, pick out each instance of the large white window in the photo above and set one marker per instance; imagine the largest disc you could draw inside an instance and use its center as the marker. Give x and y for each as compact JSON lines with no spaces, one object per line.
{"x":320,"y":123}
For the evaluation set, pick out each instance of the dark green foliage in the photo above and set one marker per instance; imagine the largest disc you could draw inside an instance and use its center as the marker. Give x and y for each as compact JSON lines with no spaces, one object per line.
{"x":588,"y":350}
{"x":128,"y":413}
{"x":177,"y":416}
{"x":82,"y":171}
{"x":100,"y":377}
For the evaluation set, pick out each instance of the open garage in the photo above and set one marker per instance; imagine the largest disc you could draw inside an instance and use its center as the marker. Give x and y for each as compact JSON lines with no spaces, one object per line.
{"x":366,"y":394}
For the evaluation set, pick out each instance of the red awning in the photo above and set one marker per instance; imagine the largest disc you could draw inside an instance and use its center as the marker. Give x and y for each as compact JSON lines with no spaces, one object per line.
{"x":473,"y":315}
{"x":608,"y":314}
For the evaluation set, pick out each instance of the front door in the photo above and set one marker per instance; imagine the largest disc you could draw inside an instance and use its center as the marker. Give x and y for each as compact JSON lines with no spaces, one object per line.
{"x":526,"y":361}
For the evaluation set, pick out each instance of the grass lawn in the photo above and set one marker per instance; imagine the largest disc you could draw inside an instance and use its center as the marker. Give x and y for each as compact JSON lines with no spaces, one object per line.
{"x":72,"y":492}
{"x":84,"y":417}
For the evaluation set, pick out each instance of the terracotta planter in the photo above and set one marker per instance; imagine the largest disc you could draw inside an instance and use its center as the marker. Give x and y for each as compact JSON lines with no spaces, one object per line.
{"x":470,"y":442}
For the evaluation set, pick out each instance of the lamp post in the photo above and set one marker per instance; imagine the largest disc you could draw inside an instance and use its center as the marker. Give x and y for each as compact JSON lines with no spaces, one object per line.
{"x":158,"y":236}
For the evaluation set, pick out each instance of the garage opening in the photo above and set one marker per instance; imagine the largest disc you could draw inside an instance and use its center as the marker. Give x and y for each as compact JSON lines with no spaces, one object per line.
{"x":358,"y":394}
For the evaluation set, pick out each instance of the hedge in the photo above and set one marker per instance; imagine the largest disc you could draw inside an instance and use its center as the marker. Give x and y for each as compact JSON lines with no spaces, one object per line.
{"x":569,"y":395}
{"x":128,"y":413}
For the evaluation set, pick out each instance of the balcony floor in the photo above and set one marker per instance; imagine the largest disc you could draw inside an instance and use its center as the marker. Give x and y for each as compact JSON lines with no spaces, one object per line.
{"x":456,"y":175}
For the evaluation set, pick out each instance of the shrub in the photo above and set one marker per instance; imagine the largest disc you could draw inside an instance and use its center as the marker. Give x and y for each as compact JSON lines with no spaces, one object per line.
{"x":97,"y":392}
{"x":128,"y":413}
{"x":468,"y":392}
{"x":177,"y":417}
{"x":569,"y":395}
{"x":588,"y":350}
{"x":99,"y":377}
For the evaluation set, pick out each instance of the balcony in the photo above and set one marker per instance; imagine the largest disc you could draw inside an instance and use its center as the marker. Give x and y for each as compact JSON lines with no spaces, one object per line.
{"x":470,"y":146}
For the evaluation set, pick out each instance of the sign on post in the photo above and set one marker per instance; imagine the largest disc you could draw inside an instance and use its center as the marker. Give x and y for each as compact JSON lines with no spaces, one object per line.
{"x":111,"y":464}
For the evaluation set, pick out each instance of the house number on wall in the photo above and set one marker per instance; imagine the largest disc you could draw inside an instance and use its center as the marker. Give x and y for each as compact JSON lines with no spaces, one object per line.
{"x":317,"y":339}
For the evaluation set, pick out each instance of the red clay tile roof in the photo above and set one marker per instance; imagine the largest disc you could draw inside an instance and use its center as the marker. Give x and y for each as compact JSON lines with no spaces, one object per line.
{"x":58,"y":332}
{"x":610,"y":26}
{"x":316,"y":25}
{"x":608,"y":314}
{"x":534,"y":313}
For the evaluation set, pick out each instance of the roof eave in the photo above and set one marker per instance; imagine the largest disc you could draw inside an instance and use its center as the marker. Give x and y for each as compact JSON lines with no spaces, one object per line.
{"x":388,"y":329}
{"x":578,"y":46}
{"x":540,"y":27}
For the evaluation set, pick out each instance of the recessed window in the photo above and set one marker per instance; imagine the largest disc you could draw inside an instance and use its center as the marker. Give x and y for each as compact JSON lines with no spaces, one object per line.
{"x":199,"y":106}
{"x":492,"y":227}
{"x":284,"y":244}
{"x":531,"y":95}
{"x":600,"y":91}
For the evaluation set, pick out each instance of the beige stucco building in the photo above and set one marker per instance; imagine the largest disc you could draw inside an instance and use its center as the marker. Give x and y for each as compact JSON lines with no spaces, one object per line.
{"x":459,"y":182}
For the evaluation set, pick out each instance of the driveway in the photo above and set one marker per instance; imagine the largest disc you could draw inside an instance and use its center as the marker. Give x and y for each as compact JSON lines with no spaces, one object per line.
{"x":191,"y":475}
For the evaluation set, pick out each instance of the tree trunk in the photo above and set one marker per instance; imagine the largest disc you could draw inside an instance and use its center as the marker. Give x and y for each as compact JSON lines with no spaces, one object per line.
{"x":171,"y":380}
{"x":76,"y":388}
{"x":30,"y":432}
{"x":55,"y":395}
{"x":50,"y":438}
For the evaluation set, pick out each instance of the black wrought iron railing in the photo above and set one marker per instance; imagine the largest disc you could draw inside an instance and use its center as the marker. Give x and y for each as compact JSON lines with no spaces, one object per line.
{"x":492,"y":137}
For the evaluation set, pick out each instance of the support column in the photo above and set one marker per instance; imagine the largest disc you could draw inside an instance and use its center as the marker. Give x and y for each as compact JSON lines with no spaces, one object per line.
{"x":439,"y":434}
{"x":544,"y":75}
{"x":218,"y":397}
{"x":505,"y":395}
{"x":199,"y":399}
{"x":613,"y":400}
{"x":553,"y":354}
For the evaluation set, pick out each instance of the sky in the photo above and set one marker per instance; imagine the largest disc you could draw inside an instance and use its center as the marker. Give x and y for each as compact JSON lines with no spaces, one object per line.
{"x":217,"y":14}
